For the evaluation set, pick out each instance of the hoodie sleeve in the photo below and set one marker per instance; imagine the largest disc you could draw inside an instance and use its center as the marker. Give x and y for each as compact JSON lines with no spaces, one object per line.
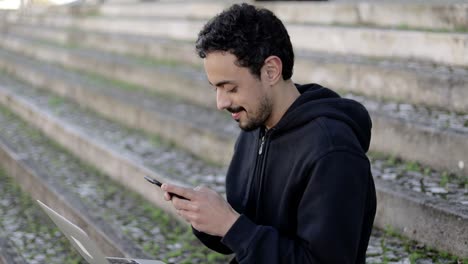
{"x":212,"y":242}
{"x":330,"y":214}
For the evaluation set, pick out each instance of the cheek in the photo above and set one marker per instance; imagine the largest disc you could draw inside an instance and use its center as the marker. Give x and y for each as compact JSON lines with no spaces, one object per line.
{"x":256,"y":98}
{"x":251,"y":105}
{"x":250,"y":95}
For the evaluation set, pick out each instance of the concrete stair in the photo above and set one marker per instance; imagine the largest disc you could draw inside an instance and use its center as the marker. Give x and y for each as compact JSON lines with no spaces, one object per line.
{"x":86,"y":153}
{"x":415,"y":82}
{"x":434,"y":16}
{"x":431,"y":15}
{"x":149,"y":78}
{"x":437,"y":47}
{"x":411,"y":139}
{"x":80,"y":140}
{"x":119,"y":220}
{"x":39,"y":187}
{"x":27,"y":235}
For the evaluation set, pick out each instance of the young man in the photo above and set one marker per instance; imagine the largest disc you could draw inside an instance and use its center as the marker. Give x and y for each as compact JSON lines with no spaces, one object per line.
{"x":299,"y":187}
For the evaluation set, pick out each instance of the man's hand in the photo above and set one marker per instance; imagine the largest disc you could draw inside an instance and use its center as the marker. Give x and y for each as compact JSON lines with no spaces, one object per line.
{"x":205,"y":209}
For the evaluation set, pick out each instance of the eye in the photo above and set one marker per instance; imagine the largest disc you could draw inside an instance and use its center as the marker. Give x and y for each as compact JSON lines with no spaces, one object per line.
{"x":233,"y":90}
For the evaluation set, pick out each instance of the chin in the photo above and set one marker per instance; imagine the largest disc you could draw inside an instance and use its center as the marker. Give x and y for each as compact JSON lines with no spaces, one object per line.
{"x":248,"y":126}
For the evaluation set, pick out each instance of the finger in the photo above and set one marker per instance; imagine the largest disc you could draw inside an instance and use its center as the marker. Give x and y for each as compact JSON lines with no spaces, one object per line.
{"x":182,"y":204}
{"x":187,"y":215}
{"x":181,"y":191}
{"x":167,"y":196}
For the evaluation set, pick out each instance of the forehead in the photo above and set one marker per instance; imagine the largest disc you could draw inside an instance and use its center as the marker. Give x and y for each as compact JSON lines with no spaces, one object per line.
{"x":221,"y":67}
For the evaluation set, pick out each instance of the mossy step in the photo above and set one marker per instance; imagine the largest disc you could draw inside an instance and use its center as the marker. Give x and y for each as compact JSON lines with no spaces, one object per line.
{"x":26,"y":233}
{"x":422,"y":15}
{"x":385,"y":246}
{"x":410,"y":81}
{"x":437,"y":47}
{"x":394,"y":200}
{"x":119,"y":220}
{"x":403,"y":130}
{"x":202,"y":131}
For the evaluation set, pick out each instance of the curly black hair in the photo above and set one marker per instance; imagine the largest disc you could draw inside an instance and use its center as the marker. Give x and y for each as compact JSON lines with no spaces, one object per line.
{"x":251,"y":34}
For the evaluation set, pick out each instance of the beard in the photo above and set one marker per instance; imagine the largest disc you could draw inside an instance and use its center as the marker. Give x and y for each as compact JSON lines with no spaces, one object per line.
{"x":257,"y":118}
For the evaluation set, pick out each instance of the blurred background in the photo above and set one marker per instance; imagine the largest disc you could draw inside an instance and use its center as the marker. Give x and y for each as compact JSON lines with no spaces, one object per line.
{"x":96,"y":94}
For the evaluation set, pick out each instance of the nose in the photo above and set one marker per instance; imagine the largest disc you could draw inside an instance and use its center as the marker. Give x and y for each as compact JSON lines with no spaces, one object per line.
{"x":222,"y":99}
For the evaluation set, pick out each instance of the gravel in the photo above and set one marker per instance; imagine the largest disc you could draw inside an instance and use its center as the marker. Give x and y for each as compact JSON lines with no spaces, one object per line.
{"x":449,"y":187}
{"x":29,"y":230}
{"x":443,"y":120}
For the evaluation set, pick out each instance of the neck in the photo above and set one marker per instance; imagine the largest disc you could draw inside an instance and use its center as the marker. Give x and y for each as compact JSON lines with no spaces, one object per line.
{"x":283,"y":96}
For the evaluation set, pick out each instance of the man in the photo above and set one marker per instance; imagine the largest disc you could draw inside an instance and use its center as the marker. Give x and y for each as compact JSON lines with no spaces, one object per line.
{"x":299,"y":187}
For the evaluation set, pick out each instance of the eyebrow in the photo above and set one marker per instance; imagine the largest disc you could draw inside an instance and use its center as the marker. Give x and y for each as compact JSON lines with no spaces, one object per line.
{"x":221,"y":83}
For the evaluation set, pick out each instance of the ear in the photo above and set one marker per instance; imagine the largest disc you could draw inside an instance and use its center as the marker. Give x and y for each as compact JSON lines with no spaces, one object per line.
{"x":273,"y":68}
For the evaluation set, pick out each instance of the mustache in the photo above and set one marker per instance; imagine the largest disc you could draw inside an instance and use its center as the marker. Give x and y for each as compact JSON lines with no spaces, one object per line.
{"x":235,"y":109}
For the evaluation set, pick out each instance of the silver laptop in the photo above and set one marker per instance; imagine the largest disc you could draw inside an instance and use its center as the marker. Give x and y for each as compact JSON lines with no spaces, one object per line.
{"x":87,"y":248}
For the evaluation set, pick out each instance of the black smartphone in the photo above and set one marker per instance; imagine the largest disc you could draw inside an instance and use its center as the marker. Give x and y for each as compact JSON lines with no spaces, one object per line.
{"x":158,"y":183}
{"x":153,"y":181}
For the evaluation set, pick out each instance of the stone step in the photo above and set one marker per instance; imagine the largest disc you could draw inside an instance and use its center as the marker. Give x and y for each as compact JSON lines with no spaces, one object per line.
{"x":183,"y":123}
{"x":136,"y":100}
{"x":92,"y":138}
{"x":445,"y":15}
{"x":139,"y":71}
{"x":437,"y":47}
{"x":119,"y":220}
{"x":434,"y":16}
{"x":432,"y":137}
{"x":412,"y":82}
{"x":41,"y":185}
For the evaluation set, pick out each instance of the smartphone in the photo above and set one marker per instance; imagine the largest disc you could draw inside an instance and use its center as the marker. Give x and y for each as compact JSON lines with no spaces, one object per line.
{"x":158,"y":183}
{"x":153,"y":181}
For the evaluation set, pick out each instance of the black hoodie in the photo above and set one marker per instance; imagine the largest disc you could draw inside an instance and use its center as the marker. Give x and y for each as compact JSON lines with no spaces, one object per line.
{"x":306,"y":194}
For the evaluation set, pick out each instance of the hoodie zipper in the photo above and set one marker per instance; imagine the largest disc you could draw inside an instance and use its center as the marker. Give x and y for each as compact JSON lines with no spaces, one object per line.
{"x":260,"y":149}
{"x":261,"y":161}
{"x":253,"y":185}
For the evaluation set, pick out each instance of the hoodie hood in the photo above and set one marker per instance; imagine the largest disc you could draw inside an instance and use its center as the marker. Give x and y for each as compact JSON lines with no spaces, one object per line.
{"x":317,"y":101}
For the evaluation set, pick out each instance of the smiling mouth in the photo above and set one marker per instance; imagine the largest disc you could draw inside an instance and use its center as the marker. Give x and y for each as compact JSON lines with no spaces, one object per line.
{"x":236,"y":112}
{"x":236,"y":116}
